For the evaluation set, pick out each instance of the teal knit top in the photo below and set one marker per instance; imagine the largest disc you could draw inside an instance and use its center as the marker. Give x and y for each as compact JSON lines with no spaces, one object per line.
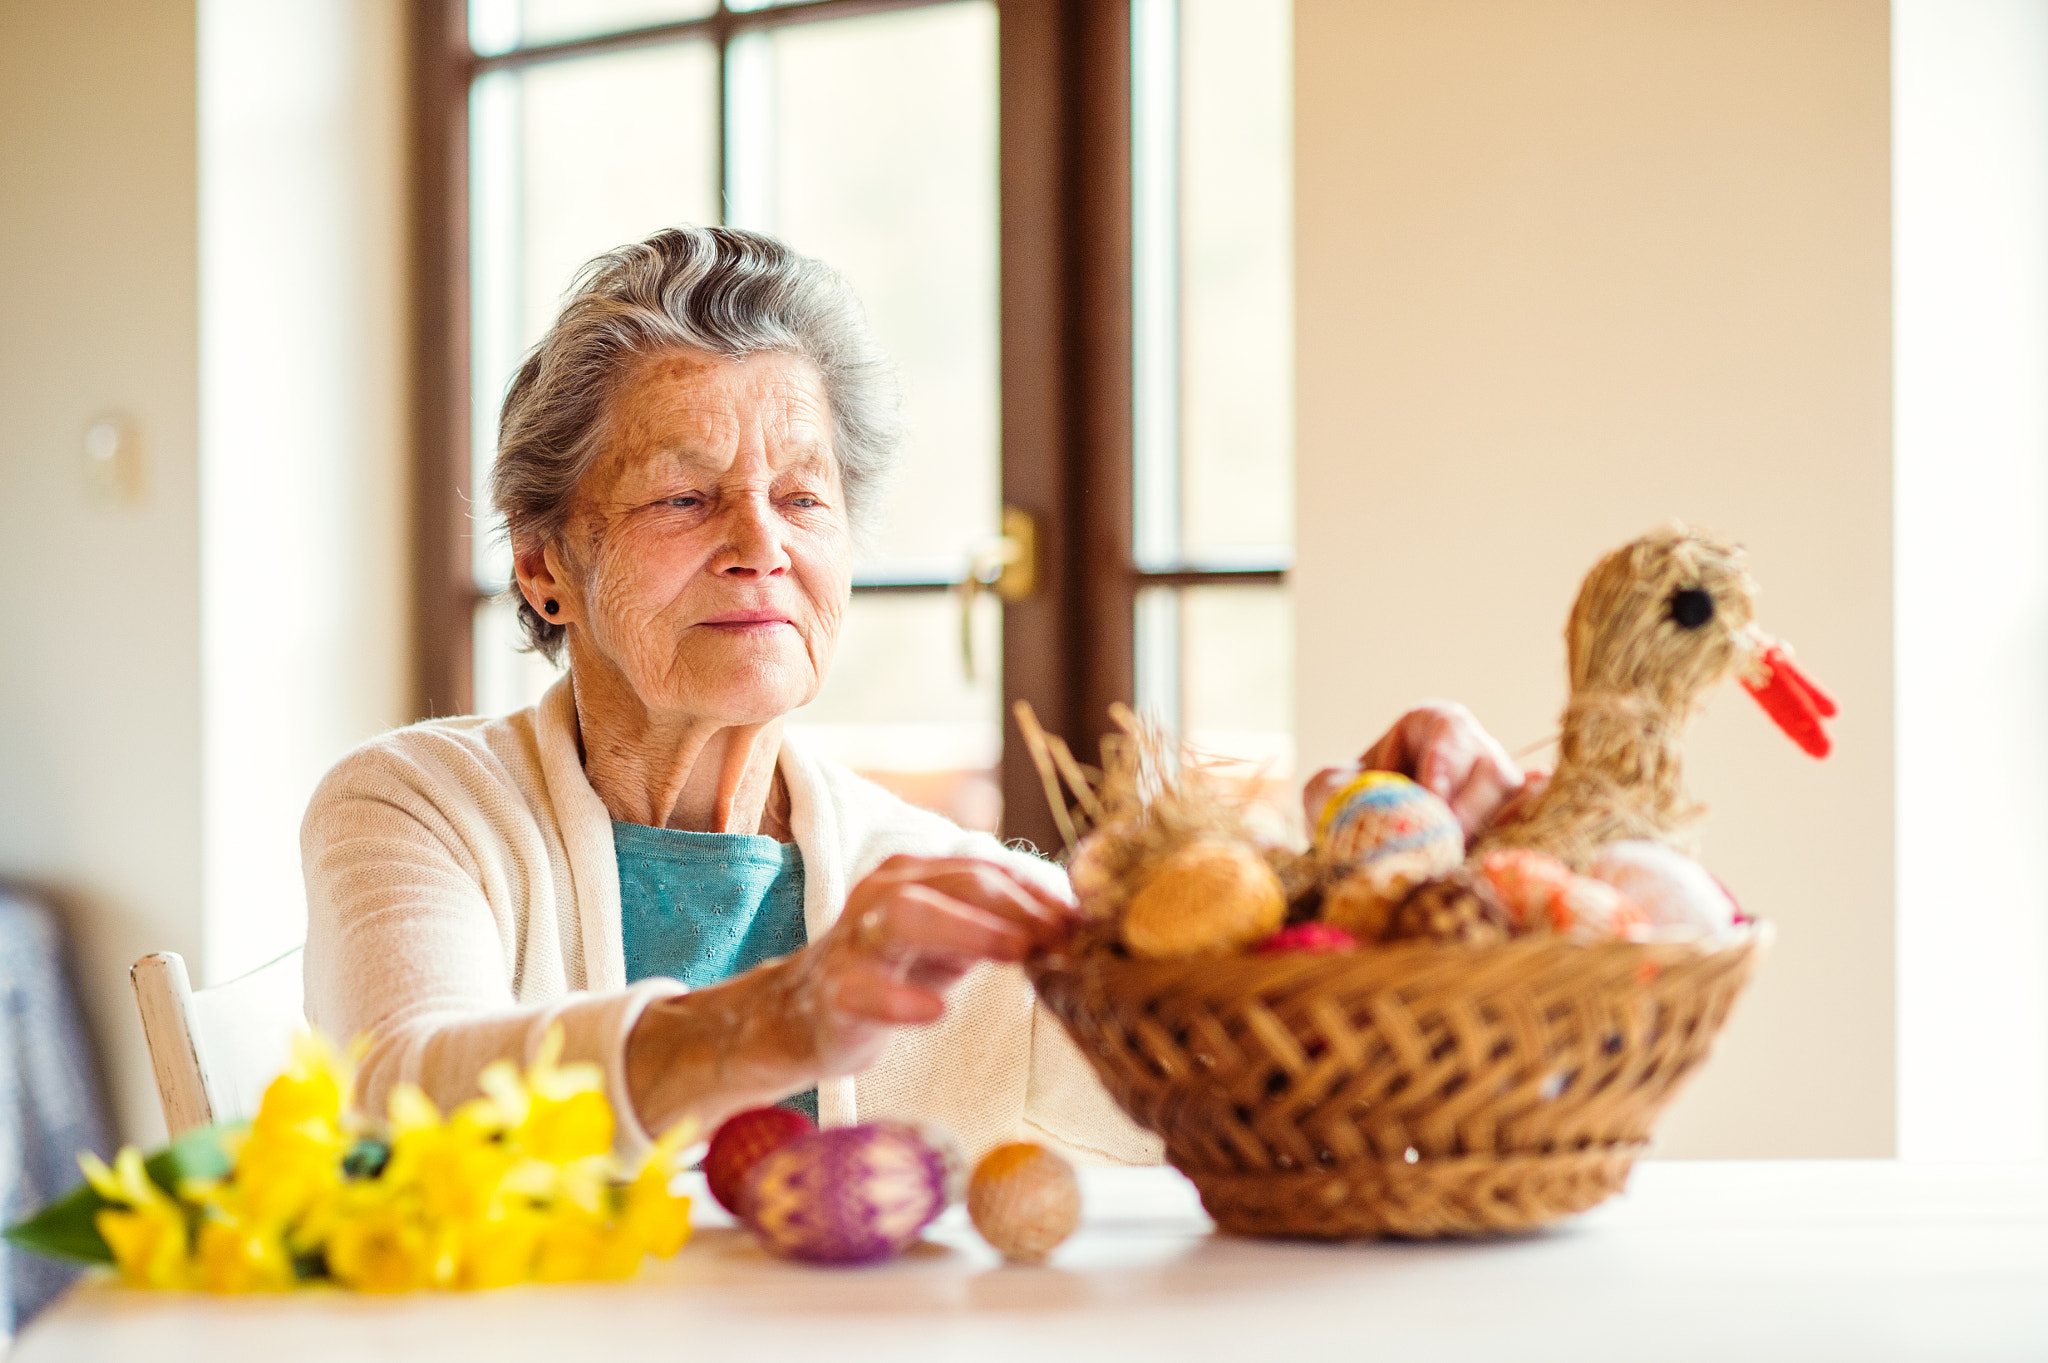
{"x":703,"y":907}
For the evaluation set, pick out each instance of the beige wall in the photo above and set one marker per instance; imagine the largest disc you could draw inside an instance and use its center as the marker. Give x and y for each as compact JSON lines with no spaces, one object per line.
{"x":234,"y":263}
{"x":305,"y":457}
{"x":99,"y":681}
{"x":1566,"y":268}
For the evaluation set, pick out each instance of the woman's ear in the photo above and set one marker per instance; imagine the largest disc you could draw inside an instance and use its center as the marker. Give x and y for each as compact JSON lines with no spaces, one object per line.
{"x":538,"y":569}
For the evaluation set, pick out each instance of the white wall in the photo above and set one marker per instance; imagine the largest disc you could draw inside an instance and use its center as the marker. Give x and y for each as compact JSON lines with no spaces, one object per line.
{"x":1970,"y":123}
{"x":1566,"y":268}
{"x":204,"y":230}
{"x":304,"y":462}
{"x":99,"y":681}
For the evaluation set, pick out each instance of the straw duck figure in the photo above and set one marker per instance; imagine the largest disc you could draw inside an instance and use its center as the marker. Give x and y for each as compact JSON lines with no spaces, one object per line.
{"x":1658,"y":623}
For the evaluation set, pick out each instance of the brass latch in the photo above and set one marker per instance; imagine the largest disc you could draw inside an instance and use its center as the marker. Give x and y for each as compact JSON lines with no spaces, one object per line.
{"x":1007,"y":565}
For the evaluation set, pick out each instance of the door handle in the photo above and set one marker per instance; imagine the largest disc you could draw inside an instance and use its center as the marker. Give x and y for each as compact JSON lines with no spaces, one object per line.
{"x":1006,"y":565}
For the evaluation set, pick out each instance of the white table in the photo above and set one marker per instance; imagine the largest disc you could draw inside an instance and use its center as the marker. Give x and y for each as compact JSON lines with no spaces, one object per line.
{"x":1723,"y":1262}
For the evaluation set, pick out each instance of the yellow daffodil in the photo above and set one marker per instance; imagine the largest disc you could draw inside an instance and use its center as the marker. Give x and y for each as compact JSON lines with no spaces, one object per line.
{"x":456,"y":1168}
{"x":148,"y":1232}
{"x":500,"y":1252}
{"x":389,"y":1247}
{"x":290,"y":1158}
{"x":574,"y":1245}
{"x":558,"y":1112}
{"x":242,"y":1256}
{"x":313,"y":1090}
{"x":517,"y":1184}
{"x":653,"y":1217}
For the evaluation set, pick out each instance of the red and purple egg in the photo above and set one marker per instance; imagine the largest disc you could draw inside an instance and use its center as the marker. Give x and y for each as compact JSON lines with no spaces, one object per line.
{"x":850,"y":1195}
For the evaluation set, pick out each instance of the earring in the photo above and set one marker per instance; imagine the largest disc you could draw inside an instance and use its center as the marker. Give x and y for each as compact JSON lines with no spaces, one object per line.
{"x":552,"y":607}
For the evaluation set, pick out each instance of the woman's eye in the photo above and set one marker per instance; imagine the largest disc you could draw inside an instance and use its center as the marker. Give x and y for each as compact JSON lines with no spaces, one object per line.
{"x":686,"y":501}
{"x":805,"y":500}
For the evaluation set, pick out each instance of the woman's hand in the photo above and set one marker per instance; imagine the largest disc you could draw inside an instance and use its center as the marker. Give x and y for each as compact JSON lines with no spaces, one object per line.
{"x":909,"y":932}
{"x":1440,"y":745}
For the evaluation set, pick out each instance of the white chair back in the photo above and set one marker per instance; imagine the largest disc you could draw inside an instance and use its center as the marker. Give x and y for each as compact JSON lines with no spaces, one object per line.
{"x":214,"y":1050}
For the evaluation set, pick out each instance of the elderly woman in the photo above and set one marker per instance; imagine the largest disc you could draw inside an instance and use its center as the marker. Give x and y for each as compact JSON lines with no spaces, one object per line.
{"x":644,"y":859}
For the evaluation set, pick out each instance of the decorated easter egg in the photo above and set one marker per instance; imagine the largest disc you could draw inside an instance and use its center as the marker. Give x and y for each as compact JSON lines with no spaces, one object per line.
{"x":1207,"y":897}
{"x":743,"y":1139}
{"x":1024,"y":1200}
{"x":1542,"y":894}
{"x":952,"y":1159}
{"x":1309,"y":938}
{"x":851,"y":1195}
{"x":1459,"y":907}
{"x":1364,"y":897}
{"x":1381,"y":814}
{"x":1674,"y":892}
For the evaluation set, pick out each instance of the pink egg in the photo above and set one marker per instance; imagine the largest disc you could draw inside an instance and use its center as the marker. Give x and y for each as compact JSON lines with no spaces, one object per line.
{"x":1312,"y":938}
{"x":1675,"y":892}
{"x":851,"y":1195}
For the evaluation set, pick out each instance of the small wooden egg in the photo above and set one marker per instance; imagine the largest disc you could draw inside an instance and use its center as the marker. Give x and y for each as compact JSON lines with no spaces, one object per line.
{"x":1674,"y":892}
{"x":741,"y":1142}
{"x":1024,"y":1200}
{"x":850,"y":1195}
{"x":1207,"y":897}
{"x":1383,"y":814}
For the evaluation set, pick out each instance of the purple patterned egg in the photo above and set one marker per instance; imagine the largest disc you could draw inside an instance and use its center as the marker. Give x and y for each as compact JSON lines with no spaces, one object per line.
{"x":851,"y":1195}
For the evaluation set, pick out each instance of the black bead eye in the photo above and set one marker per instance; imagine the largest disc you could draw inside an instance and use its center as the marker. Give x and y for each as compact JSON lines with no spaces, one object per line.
{"x":1691,"y":607}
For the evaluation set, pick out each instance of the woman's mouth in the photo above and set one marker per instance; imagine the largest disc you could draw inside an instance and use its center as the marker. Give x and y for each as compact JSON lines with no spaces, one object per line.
{"x":745,"y":621}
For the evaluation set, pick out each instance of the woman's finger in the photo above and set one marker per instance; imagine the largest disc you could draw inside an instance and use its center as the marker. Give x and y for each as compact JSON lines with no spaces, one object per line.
{"x":918,"y":919}
{"x":994,"y":890}
{"x":1446,"y":761}
{"x":1518,"y":801}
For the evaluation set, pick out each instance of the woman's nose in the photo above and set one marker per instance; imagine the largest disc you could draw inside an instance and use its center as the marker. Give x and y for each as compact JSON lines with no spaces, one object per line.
{"x":753,"y":546}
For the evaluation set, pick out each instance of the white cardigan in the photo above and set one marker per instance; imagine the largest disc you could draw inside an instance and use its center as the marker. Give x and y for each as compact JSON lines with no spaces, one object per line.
{"x":463,"y":896}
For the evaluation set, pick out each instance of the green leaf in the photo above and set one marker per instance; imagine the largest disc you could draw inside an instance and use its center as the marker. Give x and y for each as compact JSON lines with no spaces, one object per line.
{"x":65,"y":1230}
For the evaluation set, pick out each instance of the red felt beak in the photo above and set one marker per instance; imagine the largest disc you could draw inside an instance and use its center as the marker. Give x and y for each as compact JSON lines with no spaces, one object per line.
{"x":1794,"y":700}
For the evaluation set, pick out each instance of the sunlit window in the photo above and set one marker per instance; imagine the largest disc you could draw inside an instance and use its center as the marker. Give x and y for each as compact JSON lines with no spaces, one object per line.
{"x":1213,"y":373}
{"x":869,"y":142}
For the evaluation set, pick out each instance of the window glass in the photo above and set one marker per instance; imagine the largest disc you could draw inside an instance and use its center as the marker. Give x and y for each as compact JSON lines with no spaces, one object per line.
{"x":1236,"y":282}
{"x":1215,"y":665}
{"x":900,"y":709}
{"x":570,"y":159}
{"x":1213,"y":373}
{"x":497,"y":26}
{"x":871,"y":143}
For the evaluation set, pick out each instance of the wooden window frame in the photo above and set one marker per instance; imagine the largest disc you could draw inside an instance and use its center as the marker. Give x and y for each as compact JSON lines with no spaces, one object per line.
{"x":1066,"y":338}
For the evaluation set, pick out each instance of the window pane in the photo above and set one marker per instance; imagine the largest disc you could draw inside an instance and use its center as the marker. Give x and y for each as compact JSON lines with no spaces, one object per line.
{"x":871,"y":144}
{"x":501,"y":25}
{"x":568,"y":160}
{"x":1212,"y":330}
{"x":1216,"y":666}
{"x":899,"y":708}
{"x":616,"y":147}
{"x":1236,"y":281}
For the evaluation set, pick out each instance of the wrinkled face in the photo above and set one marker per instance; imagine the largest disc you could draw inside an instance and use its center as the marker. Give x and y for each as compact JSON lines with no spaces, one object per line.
{"x":709,"y":557}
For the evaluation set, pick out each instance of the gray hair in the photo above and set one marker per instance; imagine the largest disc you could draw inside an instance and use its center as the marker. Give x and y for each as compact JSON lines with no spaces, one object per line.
{"x":716,"y":289}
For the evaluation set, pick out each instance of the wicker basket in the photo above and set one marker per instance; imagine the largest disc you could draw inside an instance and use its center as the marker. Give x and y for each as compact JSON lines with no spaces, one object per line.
{"x":1413,"y":1090}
